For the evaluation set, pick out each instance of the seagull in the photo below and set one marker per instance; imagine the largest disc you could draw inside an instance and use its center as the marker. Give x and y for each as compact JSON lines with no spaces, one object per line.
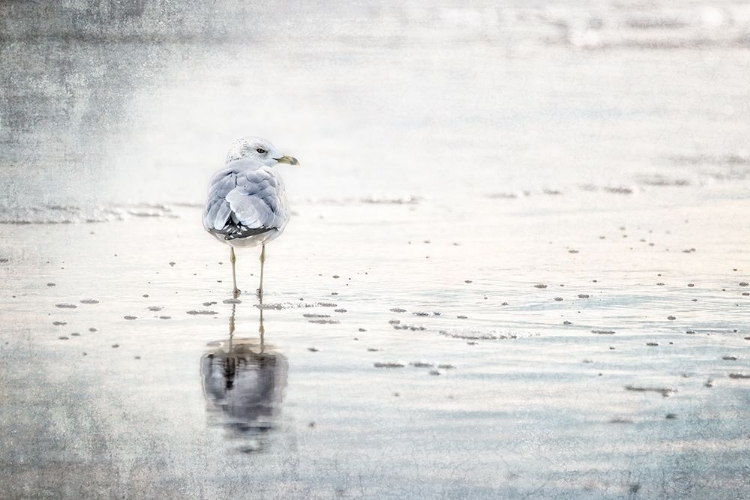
{"x":246,"y":204}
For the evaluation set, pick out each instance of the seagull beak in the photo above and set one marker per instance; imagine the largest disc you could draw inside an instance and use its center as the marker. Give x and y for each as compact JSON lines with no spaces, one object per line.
{"x":287,"y":159}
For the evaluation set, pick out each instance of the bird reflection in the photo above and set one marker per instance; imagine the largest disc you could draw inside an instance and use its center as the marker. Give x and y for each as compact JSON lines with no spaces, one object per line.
{"x":243,"y":381}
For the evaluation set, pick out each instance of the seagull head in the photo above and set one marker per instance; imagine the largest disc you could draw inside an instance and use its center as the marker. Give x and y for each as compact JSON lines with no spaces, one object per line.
{"x":259,"y":150}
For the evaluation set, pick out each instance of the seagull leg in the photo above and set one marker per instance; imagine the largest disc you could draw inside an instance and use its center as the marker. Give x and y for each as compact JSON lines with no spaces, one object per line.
{"x":233,"y":259}
{"x":262,"y":261}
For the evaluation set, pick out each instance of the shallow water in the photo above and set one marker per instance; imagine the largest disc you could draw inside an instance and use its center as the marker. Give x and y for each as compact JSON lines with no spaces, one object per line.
{"x":517,"y":265}
{"x":503,"y":400}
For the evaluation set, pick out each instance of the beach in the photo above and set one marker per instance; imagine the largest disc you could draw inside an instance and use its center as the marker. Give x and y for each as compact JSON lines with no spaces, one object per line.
{"x":517,"y":264}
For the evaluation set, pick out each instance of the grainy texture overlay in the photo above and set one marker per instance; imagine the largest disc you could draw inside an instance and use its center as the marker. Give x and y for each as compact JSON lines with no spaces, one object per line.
{"x":517,"y":262}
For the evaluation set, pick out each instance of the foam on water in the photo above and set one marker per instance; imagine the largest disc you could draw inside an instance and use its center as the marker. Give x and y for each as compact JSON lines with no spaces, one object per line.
{"x":67,"y":214}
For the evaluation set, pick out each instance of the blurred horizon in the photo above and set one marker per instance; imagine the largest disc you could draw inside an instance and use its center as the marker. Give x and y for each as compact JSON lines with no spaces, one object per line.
{"x":104,"y":101}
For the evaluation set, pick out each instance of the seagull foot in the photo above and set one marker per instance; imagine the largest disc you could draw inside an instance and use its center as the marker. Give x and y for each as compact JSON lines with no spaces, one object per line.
{"x":236,"y":293}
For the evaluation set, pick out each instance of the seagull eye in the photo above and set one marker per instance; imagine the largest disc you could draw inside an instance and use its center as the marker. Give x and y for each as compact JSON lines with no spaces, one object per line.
{"x":261,"y":151}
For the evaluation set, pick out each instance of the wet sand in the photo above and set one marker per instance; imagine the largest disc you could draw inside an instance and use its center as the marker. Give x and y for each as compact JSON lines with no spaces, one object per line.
{"x":549,"y":351}
{"x":517,"y":265}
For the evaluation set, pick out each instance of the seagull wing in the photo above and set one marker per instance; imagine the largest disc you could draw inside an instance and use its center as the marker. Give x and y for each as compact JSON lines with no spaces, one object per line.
{"x":243,"y":202}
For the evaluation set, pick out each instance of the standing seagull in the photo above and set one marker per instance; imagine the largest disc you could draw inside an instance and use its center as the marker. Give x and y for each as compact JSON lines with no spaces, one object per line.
{"x":246,"y":203}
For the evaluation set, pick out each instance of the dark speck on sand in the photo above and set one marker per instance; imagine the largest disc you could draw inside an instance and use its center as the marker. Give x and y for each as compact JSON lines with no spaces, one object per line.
{"x":388,"y":365}
{"x":664,"y":391}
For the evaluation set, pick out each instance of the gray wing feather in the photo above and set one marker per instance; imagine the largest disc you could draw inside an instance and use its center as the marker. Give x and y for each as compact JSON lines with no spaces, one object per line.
{"x":249,"y":209}
{"x":242,"y":201}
